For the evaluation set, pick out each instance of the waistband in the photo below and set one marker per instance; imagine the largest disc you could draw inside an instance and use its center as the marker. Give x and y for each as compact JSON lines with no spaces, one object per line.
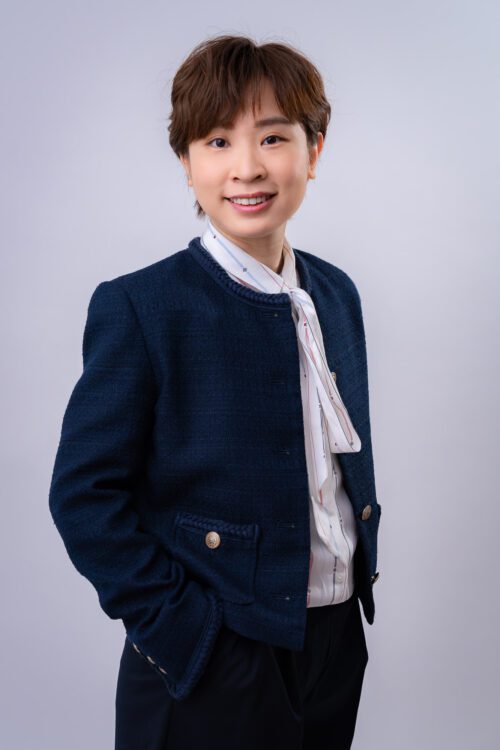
{"x":329,"y":610}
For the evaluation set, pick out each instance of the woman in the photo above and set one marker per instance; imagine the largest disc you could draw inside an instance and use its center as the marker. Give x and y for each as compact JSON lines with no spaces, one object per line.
{"x":210,"y":481}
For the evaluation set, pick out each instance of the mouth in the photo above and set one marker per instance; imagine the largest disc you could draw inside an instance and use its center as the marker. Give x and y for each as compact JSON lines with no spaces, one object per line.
{"x":253,"y":204}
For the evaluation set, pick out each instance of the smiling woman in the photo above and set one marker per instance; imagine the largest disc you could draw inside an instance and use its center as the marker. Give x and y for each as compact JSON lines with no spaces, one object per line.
{"x":210,"y":480}
{"x":249,"y":139}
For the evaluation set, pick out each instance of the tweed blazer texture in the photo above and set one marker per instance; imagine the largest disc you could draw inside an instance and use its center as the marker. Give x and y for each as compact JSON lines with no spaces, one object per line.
{"x":182,"y":429}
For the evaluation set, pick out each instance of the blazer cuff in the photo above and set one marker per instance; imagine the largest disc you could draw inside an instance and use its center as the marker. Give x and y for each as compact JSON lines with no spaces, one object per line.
{"x":176,"y":660}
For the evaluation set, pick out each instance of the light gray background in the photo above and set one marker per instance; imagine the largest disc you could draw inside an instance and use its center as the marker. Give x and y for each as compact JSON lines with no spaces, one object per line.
{"x":405,"y":201}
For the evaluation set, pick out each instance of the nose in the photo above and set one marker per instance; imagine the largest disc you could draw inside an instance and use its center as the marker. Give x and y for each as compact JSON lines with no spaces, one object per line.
{"x":247,"y":164}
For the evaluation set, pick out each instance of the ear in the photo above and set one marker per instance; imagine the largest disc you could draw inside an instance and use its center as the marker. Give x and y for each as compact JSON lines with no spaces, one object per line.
{"x":187,"y":166}
{"x":314,"y":152}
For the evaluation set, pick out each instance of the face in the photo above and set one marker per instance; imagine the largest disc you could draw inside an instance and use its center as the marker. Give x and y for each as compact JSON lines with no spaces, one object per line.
{"x":253,"y":157}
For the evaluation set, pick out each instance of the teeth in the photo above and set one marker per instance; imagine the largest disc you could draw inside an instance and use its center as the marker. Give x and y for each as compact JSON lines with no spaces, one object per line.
{"x":249,"y":201}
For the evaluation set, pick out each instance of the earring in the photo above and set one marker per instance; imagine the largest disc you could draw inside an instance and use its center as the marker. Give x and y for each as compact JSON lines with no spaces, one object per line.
{"x":189,"y":180}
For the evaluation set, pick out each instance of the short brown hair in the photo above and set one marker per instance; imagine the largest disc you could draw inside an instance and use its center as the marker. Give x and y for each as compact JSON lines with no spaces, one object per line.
{"x":210,"y":87}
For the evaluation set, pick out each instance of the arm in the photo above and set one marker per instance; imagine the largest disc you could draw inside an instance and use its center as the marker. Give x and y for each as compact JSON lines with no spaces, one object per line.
{"x":173,"y":621}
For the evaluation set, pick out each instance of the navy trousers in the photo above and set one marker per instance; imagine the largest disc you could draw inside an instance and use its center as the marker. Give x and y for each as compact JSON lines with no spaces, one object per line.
{"x":253,"y":696}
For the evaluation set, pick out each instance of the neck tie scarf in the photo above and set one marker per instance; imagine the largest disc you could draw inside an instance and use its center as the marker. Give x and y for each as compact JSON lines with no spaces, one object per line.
{"x":329,"y":420}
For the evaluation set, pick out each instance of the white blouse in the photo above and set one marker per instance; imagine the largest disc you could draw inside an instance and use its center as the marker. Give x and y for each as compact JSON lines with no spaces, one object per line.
{"x":328,"y":429}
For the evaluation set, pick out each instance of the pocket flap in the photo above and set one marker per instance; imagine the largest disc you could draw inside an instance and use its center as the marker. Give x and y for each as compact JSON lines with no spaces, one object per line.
{"x":219,"y":553}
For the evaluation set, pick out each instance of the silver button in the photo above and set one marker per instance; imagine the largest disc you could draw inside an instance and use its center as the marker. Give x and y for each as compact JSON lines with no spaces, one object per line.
{"x":150,"y":660}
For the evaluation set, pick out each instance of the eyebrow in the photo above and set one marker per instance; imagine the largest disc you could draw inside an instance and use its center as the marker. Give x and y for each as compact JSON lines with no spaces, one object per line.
{"x":278,"y":120}
{"x":264,"y":123}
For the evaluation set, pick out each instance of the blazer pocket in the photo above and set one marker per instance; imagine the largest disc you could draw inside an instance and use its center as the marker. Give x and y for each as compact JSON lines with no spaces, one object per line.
{"x":219,"y":553}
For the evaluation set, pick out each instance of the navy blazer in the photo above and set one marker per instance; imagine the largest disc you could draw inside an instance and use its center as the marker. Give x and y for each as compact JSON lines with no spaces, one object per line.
{"x":180,"y":485}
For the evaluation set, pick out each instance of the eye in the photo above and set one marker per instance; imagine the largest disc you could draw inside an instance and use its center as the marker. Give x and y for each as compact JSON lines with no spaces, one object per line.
{"x":265,"y":139}
{"x":216,"y":139}
{"x":274,"y":136}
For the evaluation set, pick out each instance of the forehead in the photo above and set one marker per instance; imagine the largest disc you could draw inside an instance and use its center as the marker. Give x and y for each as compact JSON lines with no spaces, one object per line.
{"x":265,"y":111}
{"x":264,"y":104}
{"x":253,"y":109}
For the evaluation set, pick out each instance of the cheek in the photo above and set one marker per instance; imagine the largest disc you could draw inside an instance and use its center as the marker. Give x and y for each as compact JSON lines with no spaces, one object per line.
{"x":205,"y":176}
{"x":294,"y":172}
{"x":296,"y":179}
{"x":203,"y":169}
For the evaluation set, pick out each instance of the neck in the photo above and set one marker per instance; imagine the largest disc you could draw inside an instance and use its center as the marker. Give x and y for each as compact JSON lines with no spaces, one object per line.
{"x":267,"y":250}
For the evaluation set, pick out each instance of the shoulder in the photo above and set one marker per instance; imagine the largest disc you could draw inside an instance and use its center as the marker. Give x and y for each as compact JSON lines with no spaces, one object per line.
{"x":142,"y":286}
{"x":333,"y":275}
{"x":149,"y":276}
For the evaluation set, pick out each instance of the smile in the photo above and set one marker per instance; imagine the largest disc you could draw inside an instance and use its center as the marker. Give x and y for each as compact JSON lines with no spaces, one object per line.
{"x":251,"y":205}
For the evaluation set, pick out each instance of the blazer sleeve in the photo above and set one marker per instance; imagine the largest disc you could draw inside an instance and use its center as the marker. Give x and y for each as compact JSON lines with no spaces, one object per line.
{"x":172,"y":621}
